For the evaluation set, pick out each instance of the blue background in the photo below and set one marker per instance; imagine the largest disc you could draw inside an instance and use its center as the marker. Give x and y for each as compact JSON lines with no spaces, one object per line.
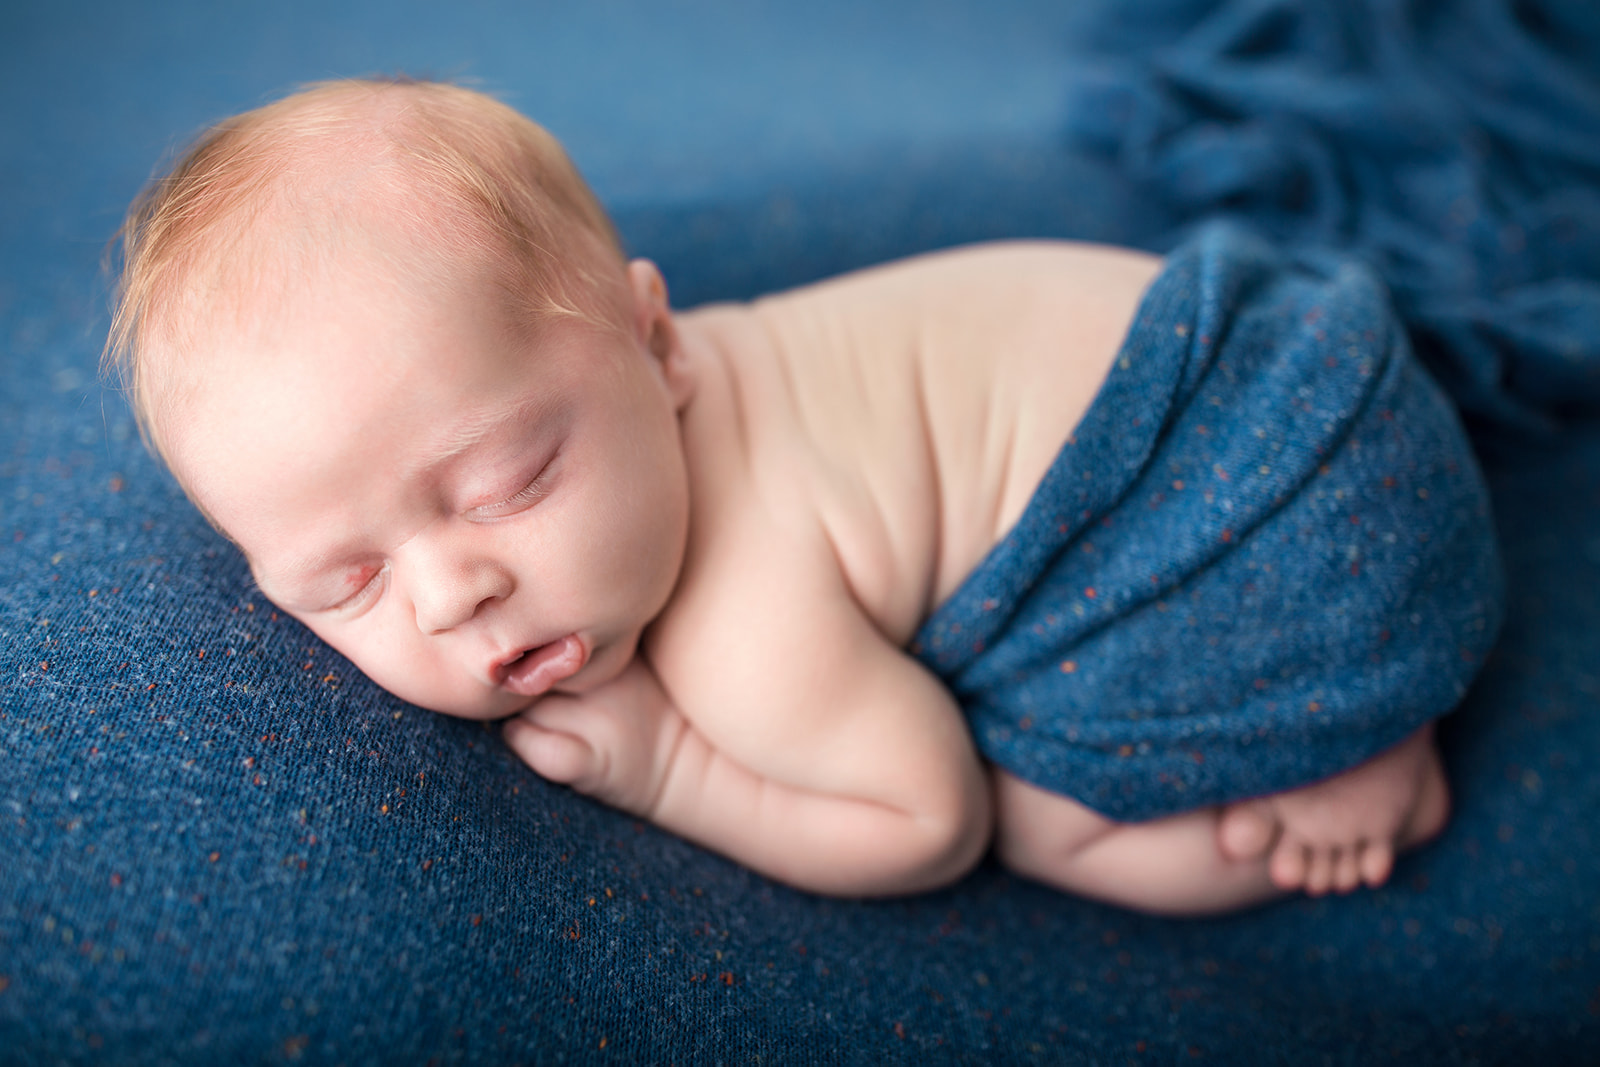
{"x":221,"y":844}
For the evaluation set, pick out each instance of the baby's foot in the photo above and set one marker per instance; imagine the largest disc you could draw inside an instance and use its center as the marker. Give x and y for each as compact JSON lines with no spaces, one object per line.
{"x":1344,"y":831}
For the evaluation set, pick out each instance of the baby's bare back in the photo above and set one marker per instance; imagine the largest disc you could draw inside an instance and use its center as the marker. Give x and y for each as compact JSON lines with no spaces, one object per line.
{"x":913,"y":408}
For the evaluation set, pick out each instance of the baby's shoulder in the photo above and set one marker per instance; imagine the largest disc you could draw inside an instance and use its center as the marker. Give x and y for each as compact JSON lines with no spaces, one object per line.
{"x":890,"y":423}
{"x":991,"y":284}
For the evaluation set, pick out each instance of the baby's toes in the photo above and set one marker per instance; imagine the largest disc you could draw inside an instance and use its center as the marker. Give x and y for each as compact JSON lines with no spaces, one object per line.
{"x":1319,"y":870}
{"x":1377,"y":862}
{"x":1347,"y":869}
{"x":1288,"y":865}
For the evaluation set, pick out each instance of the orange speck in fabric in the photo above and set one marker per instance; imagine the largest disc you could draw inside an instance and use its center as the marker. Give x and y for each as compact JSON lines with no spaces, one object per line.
{"x":115,"y":485}
{"x":900,"y":1031}
{"x":1314,"y":706}
{"x":1178,"y":485}
{"x":726,"y":977}
{"x":1125,"y":751}
{"x":1090,"y":593}
{"x":1069,"y":666}
{"x":215,"y":856}
{"x":1227,"y":535}
{"x":477,"y":920}
{"x":602,"y":1043}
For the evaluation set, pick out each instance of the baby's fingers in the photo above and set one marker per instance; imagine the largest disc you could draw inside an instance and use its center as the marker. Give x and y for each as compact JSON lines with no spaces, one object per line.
{"x":553,"y":754}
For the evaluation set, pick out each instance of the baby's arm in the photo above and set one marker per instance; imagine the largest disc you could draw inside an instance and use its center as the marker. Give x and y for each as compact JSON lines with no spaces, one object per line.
{"x":816,"y":753}
{"x":880,"y":813}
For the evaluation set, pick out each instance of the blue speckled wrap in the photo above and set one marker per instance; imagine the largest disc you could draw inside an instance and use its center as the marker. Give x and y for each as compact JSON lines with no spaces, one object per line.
{"x":1264,"y":555}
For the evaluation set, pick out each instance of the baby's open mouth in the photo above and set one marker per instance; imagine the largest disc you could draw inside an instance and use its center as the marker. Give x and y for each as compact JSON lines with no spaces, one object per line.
{"x":539,"y":668}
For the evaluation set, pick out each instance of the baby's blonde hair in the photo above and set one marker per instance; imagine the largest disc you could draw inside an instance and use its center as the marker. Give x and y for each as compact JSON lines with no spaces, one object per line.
{"x":507,"y":188}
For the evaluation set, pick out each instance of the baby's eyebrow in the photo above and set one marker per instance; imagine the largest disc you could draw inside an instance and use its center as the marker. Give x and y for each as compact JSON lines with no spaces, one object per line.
{"x":474,"y":428}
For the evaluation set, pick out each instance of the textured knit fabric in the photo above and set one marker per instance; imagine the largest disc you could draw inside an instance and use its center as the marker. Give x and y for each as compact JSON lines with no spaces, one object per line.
{"x":1454,"y":144}
{"x":1264,"y":555}
{"x":221,"y":845}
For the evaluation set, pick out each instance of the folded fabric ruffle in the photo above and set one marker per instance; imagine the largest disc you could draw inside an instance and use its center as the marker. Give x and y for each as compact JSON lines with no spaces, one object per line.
{"x":1264,"y":555}
{"x":1455,"y":145}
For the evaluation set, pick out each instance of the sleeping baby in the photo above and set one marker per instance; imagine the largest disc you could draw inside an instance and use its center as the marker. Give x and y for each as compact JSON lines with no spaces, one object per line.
{"x":1153,"y":575}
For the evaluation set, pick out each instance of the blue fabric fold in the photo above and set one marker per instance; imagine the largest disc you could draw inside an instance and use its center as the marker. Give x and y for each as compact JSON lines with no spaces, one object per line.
{"x":1264,"y":555}
{"x":1453,"y":144}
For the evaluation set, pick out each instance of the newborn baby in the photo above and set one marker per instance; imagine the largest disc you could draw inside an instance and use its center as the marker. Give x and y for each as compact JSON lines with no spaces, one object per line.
{"x":1152,"y":574}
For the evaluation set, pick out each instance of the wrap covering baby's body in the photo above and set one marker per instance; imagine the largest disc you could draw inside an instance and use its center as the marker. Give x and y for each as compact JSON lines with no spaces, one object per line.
{"x":1264,"y":555}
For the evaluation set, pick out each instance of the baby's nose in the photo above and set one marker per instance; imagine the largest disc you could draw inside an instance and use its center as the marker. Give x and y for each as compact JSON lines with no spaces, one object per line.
{"x":446,"y":592}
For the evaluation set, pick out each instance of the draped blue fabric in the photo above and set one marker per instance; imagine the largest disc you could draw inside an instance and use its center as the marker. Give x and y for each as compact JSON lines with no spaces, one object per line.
{"x":1264,"y":555}
{"x":219,"y":844}
{"x":1455,"y":145}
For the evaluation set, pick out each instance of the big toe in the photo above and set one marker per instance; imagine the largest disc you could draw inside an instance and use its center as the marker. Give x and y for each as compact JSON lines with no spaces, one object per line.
{"x":1247,"y":830}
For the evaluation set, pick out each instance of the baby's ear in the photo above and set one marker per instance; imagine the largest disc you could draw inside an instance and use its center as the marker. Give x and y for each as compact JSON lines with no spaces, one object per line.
{"x":654,"y":327}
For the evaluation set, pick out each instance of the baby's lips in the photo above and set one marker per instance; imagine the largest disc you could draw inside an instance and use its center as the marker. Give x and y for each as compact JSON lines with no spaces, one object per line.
{"x":540,"y":668}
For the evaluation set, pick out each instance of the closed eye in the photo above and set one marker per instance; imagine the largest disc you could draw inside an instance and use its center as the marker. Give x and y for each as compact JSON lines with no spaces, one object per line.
{"x":361,"y":598}
{"x":529,"y":494}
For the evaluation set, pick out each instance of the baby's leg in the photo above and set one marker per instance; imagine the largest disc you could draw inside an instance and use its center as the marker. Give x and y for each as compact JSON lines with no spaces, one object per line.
{"x":1345,"y":830}
{"x":1169,"y":866}
{"x":1333,"y":834}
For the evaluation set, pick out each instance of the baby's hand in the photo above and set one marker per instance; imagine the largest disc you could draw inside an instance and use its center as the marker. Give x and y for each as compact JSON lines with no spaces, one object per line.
{"x":615,"y":743}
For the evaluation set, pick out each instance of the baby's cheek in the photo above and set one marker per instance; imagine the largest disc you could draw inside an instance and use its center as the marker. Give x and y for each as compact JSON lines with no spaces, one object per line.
{"x":379,"y":656}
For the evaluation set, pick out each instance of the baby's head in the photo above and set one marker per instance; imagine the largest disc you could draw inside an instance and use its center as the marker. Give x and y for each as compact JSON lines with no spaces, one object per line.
{"x":384,"y":336}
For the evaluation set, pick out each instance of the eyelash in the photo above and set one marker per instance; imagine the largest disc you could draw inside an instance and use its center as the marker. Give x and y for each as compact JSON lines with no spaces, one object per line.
{"x":532,"y":491}
{"x":360,"y":596}
{"x":526,"y":495}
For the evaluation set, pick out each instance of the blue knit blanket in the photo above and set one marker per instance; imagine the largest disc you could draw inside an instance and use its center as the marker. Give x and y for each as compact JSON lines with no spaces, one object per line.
{"x":1265,"y":554}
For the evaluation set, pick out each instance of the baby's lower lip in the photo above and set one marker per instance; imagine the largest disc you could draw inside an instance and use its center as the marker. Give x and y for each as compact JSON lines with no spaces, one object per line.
{"x":540,"y":668}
